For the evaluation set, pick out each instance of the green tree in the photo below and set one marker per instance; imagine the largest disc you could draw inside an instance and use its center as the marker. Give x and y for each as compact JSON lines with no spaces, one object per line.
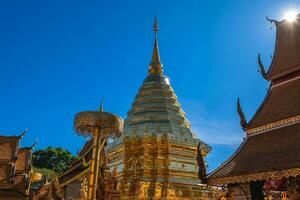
{"x":56,"y":159}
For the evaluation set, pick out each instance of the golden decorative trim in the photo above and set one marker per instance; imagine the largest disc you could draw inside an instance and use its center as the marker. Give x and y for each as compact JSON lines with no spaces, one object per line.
{"x":255,"y":177}
{"x":273,"y":125}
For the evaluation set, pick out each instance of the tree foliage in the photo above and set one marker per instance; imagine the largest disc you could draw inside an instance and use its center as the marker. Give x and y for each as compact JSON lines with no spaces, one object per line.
{"x":48,"y":174}
{"x":56,"y":159}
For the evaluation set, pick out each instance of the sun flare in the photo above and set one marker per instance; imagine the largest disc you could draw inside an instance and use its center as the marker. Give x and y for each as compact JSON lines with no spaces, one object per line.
{"x":290,"y":15}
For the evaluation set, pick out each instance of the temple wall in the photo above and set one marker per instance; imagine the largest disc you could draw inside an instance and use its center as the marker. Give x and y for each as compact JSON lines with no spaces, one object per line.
{"x":73,"y":190}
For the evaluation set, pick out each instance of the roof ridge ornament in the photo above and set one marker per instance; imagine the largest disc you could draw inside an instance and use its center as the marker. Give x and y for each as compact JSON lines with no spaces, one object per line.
{"x":272,"y":20}
{"x":243,"y":120}
{"x":261,"y":67}
{"x":156,"y":66}
{"x":23,"y":133}
{"x":32,"y":146}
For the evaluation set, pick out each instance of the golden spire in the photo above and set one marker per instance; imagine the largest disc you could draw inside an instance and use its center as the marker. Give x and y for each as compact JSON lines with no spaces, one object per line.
{"x":156,"y":66}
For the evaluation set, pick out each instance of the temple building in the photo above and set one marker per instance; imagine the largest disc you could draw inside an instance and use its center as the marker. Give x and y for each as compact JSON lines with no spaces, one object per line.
{"x":15,"y":168}
{"x":268,"y":160}
{"x":156,"y":157}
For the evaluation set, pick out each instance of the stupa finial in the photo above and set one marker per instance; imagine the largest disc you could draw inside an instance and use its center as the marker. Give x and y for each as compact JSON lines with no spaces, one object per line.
{"x":155,"y":25}
{"x":102,"y":106}
{"x":156,"y":66}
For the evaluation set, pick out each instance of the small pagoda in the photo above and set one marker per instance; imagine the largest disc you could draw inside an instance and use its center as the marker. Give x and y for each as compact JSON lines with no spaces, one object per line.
{"x":15,"y":168}
{"x":269,"y":157}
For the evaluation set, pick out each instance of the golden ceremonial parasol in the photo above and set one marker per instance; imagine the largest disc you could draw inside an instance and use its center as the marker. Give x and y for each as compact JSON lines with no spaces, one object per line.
{"x":100,"y":126}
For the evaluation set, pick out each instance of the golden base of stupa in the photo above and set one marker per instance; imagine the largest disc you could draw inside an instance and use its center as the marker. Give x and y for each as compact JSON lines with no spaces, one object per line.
{"x":158,"y":168}
{"x":158,"y":191}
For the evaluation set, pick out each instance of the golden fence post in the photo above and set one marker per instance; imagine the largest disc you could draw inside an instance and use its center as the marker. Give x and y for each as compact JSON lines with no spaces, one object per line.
{"x":92,"y":188}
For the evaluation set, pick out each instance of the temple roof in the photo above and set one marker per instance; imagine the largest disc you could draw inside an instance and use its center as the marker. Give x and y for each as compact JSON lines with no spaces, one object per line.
{"x":87,"y":147}
{"x":6,"y":172}
{"x":274,"y":154}
{"x":9,"y":147}
{"x":79,"y":166}
{"x":286,"y":58}
{"x":272,"y":145}
{"x":21,"y":181}
{"x":23,"y":161}
{"x":281,"y":102}
{"x":15,"y":165}
{"x":75,"y":170}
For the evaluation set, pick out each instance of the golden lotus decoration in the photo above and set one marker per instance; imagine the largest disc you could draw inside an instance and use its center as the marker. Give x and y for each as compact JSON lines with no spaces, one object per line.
{"x":101,"y":126}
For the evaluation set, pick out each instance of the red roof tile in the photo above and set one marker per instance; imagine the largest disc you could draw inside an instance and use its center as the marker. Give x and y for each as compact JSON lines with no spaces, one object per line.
{"x":286,"y":57}
{"x":87,"y":146}
{"x":78,"y":167}
{"x":14,"y":165}
{"x":6,"y":172}
{"x":23,"y":160}
{"x":281,"y":102}
{"x":266,"y":152}
{"x":75,"y":170}
{"x":21,"y":181}
{"x":8,"y":147}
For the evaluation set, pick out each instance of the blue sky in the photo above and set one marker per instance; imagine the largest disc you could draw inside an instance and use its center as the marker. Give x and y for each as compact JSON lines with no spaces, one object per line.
{"x":61,"y":57}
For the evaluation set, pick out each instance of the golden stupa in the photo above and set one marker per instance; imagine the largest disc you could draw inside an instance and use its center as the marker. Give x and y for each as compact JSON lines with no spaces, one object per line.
{"x":156,"y":156}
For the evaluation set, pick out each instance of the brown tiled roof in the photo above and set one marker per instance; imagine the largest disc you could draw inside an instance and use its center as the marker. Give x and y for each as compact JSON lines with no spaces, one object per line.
{"x":281,"y":102}
{"x":74,"y":171}
{"x":77,"y":167}
{"x":8,"y":147}
{"x":23,"y":160}
{"x":286,"y":57}
{"x":14,"y":166}
{"x":86,"y":147}
{"x":6,"y":172}
{"x":21,"y":181}
{"x":277,"y":149}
